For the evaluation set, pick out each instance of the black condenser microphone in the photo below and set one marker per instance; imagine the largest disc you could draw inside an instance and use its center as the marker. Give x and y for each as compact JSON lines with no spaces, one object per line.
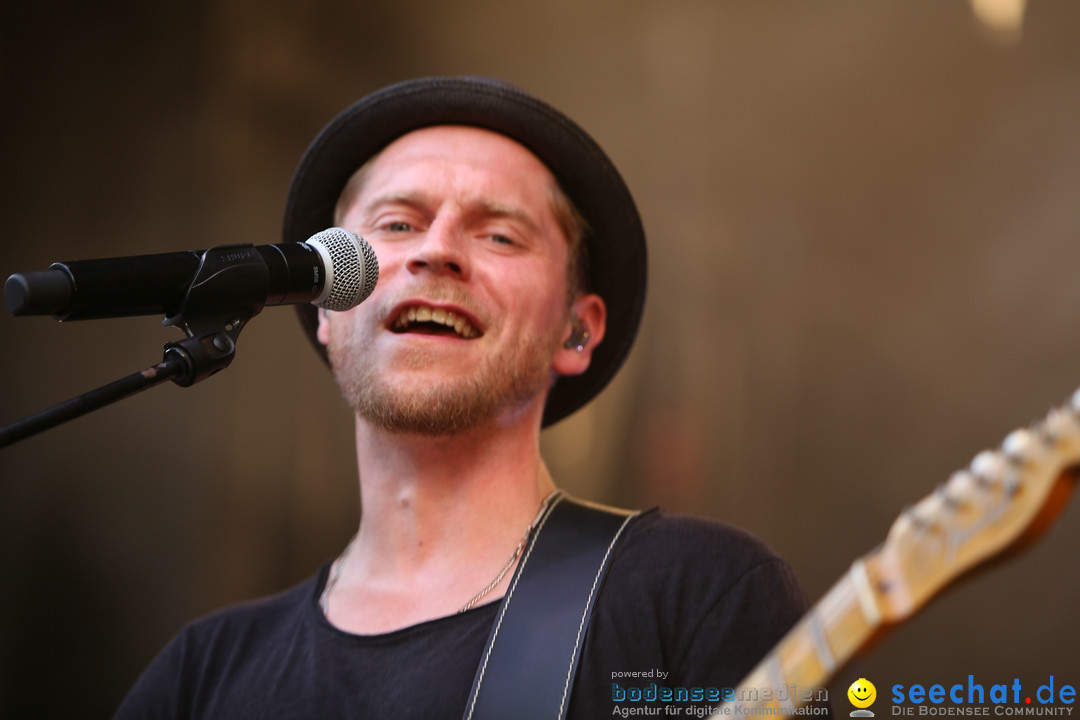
{"x":335,"y":269}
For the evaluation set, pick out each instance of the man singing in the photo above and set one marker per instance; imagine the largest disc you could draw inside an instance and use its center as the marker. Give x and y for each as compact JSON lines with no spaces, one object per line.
{"x":511,"y":285}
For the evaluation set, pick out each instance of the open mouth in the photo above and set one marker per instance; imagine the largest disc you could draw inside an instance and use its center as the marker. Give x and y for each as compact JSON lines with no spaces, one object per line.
{"x":428,"y":320}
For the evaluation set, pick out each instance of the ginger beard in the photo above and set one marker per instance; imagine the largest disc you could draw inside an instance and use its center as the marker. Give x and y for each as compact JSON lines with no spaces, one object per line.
{"x":502,"y":382}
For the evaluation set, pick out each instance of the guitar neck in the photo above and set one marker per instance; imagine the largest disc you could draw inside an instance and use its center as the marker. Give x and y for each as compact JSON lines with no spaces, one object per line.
{"x":1003,"y":499}
{"x":826,"y":638}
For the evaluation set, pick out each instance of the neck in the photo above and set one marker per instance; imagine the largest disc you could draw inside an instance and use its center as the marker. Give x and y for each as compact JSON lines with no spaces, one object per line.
{"x":421,"y":488}
{"x":441,"y":516}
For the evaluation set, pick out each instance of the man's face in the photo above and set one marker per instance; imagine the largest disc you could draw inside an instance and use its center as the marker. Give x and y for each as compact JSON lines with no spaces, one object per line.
{"x":470,"y":310}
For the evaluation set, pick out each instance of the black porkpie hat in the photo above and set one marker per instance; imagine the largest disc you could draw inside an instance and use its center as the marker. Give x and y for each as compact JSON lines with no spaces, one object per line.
{"x":615,"y":242}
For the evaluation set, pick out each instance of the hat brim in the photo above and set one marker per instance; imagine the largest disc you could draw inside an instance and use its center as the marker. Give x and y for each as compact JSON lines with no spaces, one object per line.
{"x":616,"y":243}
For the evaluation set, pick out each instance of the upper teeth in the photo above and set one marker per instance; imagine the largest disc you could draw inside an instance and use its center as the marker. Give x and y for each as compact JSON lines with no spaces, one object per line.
{"x":423,"y":313}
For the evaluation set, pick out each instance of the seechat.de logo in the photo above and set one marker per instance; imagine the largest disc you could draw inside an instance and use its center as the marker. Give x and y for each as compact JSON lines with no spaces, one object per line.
{"x":1052,"y":697}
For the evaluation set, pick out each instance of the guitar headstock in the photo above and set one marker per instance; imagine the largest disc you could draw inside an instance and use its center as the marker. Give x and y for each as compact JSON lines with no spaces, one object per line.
{"x":1004,"y":499}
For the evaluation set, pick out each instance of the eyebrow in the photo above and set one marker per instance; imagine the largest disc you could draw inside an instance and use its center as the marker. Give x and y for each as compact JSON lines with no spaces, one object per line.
{"x":490,"y":208}
{"x":479,"y":208}
{"x":412,"y":199}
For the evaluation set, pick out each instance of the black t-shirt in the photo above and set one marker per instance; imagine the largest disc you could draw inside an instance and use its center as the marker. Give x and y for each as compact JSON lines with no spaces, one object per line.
{"x":687,"y":603}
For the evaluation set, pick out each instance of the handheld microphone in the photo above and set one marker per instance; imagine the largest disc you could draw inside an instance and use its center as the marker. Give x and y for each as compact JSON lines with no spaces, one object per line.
{"x":335,"y":269}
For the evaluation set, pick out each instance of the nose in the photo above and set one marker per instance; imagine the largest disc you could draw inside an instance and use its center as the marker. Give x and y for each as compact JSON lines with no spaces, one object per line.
{"x":444,"y":249}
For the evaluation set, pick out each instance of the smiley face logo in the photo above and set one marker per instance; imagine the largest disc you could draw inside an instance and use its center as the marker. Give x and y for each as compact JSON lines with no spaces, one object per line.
{"x":862,"y":694}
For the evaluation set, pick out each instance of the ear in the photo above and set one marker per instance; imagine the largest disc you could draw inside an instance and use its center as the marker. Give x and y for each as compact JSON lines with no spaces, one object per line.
{"x":584,"y":330}
{"x":322,"y":334}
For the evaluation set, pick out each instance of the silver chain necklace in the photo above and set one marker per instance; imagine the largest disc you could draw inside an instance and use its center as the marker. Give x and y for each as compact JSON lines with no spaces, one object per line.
{"x":517,"y":552}
{"x":335,"y":571}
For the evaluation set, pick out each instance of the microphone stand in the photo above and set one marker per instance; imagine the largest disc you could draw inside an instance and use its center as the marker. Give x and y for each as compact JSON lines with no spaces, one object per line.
{"x":216,"y":307}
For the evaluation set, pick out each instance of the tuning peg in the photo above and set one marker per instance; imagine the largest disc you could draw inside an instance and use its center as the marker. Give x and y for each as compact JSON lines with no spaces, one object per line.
{"x":950,"y":501}
{"x":1019,"y":446}
{"x":917,"y":521}
{"x":1061,"y":422}
{"x":988,"y":467}
{"x":1074,"y":402}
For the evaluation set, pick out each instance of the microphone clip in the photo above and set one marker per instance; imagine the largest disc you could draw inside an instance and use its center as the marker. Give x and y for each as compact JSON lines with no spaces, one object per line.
{"x":216,"y":307}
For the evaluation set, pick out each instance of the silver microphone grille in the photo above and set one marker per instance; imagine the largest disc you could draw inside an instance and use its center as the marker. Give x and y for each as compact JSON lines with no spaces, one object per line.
{"x":351,"y":268}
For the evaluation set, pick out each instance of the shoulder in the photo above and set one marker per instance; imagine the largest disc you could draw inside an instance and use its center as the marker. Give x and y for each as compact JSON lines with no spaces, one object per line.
{"x":697,"y":534}
{"x":687,"y":603}
{"x":218,"y":650}
{"x":663,"y":547}
{"x":702,"y":598}
{"x":253,"y":620}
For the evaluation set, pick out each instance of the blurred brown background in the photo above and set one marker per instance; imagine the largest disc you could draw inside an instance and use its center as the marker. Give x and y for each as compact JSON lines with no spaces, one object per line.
{"x":864,"y":221}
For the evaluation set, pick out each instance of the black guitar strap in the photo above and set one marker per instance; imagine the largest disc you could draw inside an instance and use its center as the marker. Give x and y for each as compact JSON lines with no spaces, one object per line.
{"x":527,"y":670}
